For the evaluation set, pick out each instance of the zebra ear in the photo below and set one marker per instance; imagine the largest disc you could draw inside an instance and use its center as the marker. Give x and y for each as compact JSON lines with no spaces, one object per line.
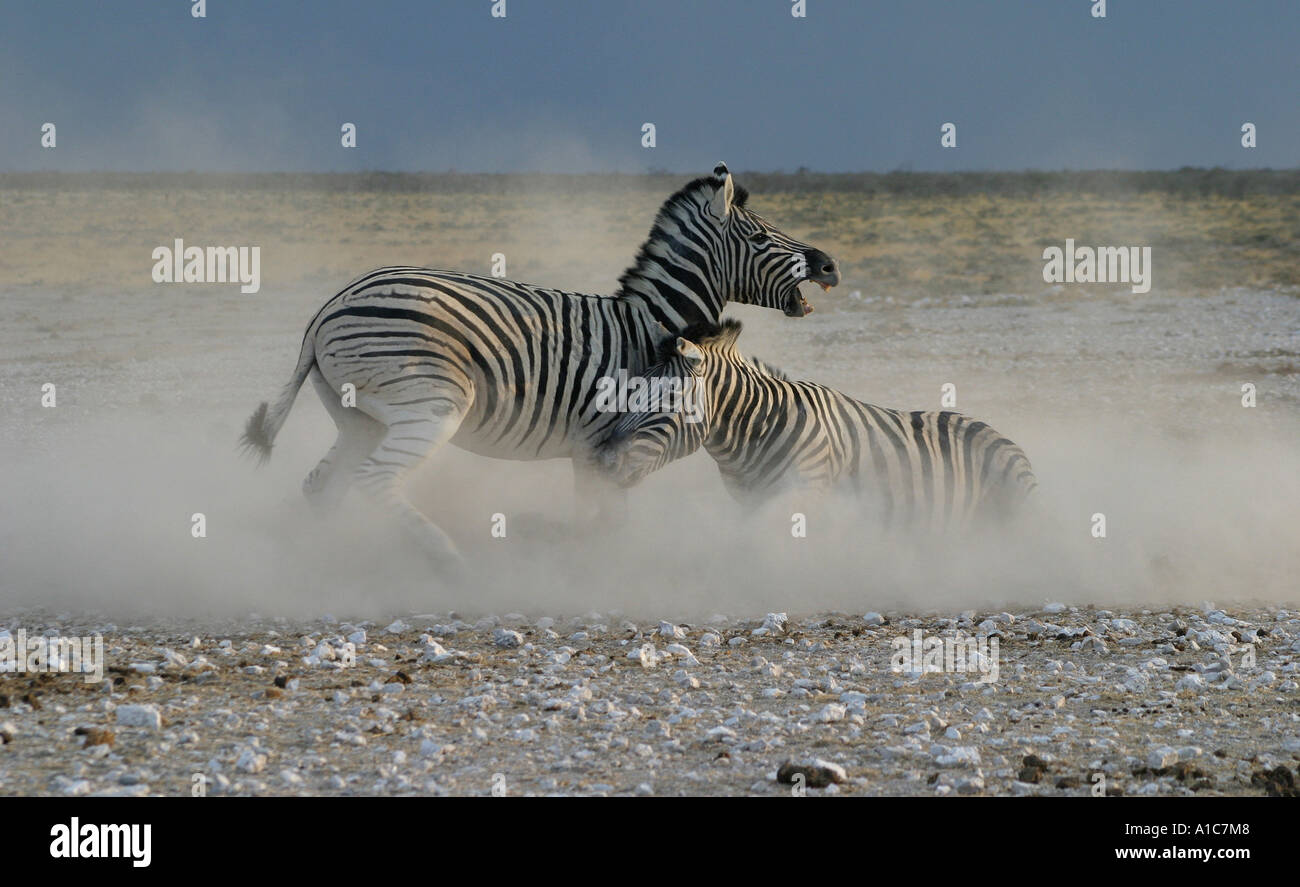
{"x":726,"y":193}
{"x":689,"y":351}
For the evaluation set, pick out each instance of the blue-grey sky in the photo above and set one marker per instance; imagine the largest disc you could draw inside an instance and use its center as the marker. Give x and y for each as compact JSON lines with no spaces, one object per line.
{"x":565,"y":85}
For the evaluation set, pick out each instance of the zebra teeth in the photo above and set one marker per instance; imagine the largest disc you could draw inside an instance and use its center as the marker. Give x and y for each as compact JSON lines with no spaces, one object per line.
{"x":824,"y":286}
{"x":796,"y":305}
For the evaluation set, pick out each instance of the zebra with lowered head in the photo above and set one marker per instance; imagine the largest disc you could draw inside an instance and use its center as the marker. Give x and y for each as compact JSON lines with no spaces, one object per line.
{"x":511,"y":370}
{"x":767,"y":433}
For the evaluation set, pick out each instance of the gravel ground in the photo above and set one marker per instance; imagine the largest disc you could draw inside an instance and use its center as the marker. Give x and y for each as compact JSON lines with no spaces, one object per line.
{"x":1131,"y":405}
{"x":1174,"y":702}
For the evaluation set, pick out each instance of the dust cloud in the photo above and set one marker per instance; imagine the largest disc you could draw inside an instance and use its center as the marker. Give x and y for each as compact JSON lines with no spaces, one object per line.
{"x":101,"y":520}
{"x":1127,"y":406}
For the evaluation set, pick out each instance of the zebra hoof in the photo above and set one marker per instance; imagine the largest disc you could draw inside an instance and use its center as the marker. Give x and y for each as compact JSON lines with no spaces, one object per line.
{"x":313,"y":483}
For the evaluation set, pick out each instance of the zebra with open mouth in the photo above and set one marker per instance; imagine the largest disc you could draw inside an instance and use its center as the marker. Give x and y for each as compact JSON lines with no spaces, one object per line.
{"x":510,"y":370}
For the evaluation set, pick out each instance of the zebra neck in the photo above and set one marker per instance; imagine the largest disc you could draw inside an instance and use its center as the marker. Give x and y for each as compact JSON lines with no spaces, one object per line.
{"x":741,"y":403}
{"x":672,"y":290}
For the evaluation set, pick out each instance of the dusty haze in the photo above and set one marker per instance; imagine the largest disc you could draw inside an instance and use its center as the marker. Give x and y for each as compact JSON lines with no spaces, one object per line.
{"x":1128,"y":405}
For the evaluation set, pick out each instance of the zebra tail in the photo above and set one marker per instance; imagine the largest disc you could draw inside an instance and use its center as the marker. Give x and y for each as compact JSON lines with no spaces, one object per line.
{"x":262,"y":427}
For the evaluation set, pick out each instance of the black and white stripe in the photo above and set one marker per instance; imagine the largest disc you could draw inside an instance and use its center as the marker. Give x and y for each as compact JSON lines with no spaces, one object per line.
{"x":510,"y":370}
{"x":938,"y":470}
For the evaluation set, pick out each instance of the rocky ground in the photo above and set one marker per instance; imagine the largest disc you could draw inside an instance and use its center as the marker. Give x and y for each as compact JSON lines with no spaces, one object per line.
{"x":1128,"y":404}
{"x":1185,"y":701}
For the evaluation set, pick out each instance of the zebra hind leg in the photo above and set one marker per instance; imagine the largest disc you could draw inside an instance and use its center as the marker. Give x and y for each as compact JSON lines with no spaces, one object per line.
{"x":358,"y":436}
{"x":412,"y":434}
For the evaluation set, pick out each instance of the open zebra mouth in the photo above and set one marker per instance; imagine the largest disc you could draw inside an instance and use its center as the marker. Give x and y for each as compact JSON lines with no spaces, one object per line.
{"x":796,"y":305}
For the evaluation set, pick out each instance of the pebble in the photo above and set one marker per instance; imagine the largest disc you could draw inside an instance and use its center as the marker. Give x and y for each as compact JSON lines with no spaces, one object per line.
{"x":507,"y":639}
{"x":773,"y":623}
{"x":418,"y":717}
{"x":832,"y":711}
{"x":677,"y":651}
{"x":146,"y":716}
{"x":955,"y":756}
{"x":250,"y":761}
{"x":686,"y":680}
{"x":1162,"y":756}
{"x":644,"y":655}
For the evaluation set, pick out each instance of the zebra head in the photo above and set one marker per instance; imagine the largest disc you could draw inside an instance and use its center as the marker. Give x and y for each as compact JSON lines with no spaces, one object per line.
{"x":663,"y":426}
{"x":707,"y":248}
{"x":645,"y":441}
{"x":764,"y":266}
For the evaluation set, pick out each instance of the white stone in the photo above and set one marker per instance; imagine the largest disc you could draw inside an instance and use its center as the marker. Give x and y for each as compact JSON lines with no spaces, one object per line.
{"x":644,"y":655}
{"x":683,"y":653}
{"x":251,"y":761}
{"x":958,"y":755}
{"x":832,"y":711}
{"x":671,"y":632}
{"x":1161,"y":757}
{"x":171,"y":657}
{"x":146,"y":716}
{"x":507,"y":639}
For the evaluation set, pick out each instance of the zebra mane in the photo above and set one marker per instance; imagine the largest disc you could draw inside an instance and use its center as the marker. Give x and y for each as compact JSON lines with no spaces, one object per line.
{"x":768,"y":370}
{"x":657,"y":233}
{"x":723,"y":336}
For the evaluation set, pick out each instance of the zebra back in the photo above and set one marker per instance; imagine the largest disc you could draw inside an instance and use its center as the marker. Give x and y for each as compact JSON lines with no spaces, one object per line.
{"x":767,"y":432}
